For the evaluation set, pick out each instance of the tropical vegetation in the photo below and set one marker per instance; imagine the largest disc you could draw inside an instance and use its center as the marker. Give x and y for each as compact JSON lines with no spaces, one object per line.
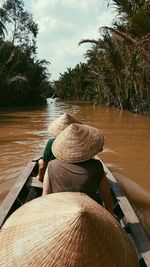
{"x":24,"y":80}
{"x":117,"y":72}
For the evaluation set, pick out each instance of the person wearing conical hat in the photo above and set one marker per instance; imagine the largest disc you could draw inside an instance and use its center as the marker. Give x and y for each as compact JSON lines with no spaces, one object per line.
{"x":54,"y":129}
{"x":75,"y":169}
{"x":64,"y":230}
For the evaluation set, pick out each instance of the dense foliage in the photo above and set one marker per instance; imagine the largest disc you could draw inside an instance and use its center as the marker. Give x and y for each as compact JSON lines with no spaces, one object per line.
{"x":117,"y":72}
{"x":23,"y":78}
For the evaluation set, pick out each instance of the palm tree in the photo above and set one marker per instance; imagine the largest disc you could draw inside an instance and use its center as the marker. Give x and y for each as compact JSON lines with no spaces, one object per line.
{"x":133,"y":42}
{"x":3,"y":29}
{"x":3,"y":19}
{"x":112,"y":60}
{"x":134,"y":16}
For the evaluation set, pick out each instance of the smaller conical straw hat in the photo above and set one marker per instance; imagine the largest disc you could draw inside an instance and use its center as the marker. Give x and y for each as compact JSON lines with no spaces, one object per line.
{"x":60,"y":124}
{"x":78,"y":143}
{"x":64,"y":230}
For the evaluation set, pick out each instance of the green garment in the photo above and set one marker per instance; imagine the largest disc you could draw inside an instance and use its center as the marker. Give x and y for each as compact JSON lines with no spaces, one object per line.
{"x":48,"y":155}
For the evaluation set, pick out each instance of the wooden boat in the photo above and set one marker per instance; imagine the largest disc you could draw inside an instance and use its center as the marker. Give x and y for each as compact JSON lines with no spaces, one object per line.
{"x":27,"y":188}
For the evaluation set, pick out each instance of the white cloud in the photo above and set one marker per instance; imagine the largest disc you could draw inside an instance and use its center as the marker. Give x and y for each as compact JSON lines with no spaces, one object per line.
{"x":92,"y":31}
{"x":62,"y":24}
{"x":83,"y":5}
{"x":50,"y":24}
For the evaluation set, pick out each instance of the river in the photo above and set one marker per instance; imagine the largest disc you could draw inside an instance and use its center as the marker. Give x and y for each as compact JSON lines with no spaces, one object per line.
{"x":127,"y":145}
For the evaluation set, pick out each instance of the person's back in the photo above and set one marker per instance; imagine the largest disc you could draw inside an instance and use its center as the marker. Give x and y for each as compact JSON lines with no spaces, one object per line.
{"x":76,"y":177}
{"x":75,"y":169}
{"x":54,"y":129}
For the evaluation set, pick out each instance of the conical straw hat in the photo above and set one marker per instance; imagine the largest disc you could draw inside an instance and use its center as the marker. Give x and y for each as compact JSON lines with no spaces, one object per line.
{"x":60,"y":124}
{"x":64,"y":230}
{"x":77,"y":143}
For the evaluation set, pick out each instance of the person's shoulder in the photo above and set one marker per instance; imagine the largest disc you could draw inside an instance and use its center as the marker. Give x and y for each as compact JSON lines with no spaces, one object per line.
{"x":96,"y":162}
{"x":55,"y":162}
{"x":50,"y":141}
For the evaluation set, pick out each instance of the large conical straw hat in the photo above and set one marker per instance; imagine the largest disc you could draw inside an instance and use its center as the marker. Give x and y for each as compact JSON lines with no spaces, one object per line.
{"x":64,"y":230}
{"x":78,"y":143}
{"x":60,"y":124}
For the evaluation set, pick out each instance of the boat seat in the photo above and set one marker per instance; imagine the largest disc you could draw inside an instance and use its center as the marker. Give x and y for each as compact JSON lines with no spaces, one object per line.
{"x":33,"y":182}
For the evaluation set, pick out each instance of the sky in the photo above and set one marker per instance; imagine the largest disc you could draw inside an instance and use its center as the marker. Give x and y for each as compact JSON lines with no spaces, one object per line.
{"x":62,"y":25}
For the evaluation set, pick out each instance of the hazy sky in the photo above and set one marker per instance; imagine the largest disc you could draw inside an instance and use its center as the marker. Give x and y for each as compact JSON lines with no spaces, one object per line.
{"x":62,"y":24}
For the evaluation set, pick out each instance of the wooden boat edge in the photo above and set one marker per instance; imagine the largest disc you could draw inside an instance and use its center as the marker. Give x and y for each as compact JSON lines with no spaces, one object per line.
{"x":131,"y":220}
{"x":15,"y":190}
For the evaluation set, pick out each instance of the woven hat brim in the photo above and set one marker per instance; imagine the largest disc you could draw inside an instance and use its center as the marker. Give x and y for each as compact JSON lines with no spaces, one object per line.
{"x":59,"y":124}
{"x":78,"y":143}
{"x":64,"y":229}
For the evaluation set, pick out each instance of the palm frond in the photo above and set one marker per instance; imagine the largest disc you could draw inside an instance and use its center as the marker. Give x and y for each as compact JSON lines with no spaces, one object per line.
{"x":88,"y":41}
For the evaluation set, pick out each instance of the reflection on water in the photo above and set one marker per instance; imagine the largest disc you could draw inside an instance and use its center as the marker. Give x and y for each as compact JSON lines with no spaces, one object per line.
{"x":127,"y":148}
{"x":23,"y":134}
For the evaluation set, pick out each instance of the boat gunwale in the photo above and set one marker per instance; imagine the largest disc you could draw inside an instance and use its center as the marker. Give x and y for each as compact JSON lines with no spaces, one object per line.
{"x":11,"y":197}
{"x":130,"y":219}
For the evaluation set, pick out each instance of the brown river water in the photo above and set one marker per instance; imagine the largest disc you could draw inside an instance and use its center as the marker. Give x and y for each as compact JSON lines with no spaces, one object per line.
{"x":23,"y":134}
